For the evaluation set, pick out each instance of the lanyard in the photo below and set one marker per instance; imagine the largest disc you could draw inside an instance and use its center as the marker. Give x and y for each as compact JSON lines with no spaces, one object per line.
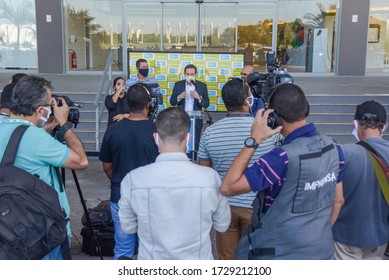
{"x":18,"y":120}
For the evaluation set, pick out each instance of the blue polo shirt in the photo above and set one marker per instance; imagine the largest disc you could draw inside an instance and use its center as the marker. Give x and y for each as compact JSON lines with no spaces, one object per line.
{"x":268,"y":173}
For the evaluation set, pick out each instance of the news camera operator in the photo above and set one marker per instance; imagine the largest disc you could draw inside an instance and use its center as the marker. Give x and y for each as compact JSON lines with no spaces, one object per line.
{"x":127,"y":145}
{"x":299,"y":183}
{"x":38,"y":152}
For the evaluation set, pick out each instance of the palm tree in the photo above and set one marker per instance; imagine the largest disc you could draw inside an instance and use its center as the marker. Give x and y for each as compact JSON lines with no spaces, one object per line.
{"x":317,"y":21}
{"x":21,"y":16}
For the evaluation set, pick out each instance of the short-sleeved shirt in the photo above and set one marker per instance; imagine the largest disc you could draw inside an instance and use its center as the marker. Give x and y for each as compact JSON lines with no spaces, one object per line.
{"x":127,"y":144}
{"x":150,"y":81}
{"x":268,"y":173}
{"x":37,"y":154}
{"x":223,"y":141}
{"x":364,"y":218}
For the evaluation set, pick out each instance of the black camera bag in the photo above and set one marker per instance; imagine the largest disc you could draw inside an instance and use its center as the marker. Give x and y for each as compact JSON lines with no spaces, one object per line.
{"x":32,"y":222}
{"x":105,"y":237}
{"x":101,"y":223}
{"x":100,"y":216}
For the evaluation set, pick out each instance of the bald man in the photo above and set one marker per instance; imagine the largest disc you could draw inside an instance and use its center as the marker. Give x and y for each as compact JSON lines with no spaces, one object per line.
{"x":248,"y":69}
{"x":257,"y":102}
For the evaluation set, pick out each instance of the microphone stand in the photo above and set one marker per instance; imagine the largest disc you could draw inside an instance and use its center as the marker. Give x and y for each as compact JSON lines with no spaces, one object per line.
{"x":209,"y":121}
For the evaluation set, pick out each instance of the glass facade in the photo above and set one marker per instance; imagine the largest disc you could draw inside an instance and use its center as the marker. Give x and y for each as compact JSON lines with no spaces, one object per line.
{"x":18,"y":42}
{"x":304,"y":36}
{"x":92,"y":28}
{"x":377,"y":57}
{"x":255,"y":25}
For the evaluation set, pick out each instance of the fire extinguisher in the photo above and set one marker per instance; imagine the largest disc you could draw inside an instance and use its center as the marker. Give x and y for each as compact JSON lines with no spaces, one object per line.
{"x":73,"y":59}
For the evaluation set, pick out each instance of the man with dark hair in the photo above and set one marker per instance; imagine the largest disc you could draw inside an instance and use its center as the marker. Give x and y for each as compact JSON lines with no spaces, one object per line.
{"x":219,"y":146}
{"x":142,"y":76}
{"x":299,"y":184}
{"x":127,"y":145}
{"x":5,"y":102}
{"x":38,"y":152}
{"x":6,"y":96}
{"x":177,"y":199}
{"x":191,"y":95}
{"x":362,"y":229}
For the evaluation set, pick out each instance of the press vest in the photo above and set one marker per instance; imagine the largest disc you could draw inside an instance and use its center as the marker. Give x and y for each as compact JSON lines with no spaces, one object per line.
{"x":297,"y":225}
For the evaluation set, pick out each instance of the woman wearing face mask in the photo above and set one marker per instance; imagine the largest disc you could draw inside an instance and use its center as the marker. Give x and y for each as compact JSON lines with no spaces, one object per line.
{"x":117,"y":102}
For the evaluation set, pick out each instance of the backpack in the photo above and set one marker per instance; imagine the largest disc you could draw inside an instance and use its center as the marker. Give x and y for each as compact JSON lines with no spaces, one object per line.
{"x":32,"y":222}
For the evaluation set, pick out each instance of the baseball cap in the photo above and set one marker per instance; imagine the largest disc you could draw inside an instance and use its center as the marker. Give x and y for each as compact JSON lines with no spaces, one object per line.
{"x":371,"y":110}
{"x":6,"y":97}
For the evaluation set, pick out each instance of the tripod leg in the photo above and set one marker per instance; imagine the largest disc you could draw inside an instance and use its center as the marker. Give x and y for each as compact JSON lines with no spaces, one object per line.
{"x":83,"y":203}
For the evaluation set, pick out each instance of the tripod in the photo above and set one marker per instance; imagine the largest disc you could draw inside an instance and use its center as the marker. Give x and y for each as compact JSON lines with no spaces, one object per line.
{"x":83,"y":203}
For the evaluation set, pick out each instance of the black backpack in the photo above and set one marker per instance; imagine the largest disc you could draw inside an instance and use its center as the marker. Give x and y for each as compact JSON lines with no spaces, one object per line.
{"x":32,"y":222}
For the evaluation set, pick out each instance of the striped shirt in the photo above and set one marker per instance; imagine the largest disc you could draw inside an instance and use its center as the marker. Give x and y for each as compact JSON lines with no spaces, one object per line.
{"x":223,"y":141}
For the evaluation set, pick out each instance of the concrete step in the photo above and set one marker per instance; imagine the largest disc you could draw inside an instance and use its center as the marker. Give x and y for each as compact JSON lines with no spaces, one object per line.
{"x":332,"y":113}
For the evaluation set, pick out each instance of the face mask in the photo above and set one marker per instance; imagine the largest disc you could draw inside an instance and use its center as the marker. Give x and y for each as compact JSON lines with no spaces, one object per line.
{"x":189,"y":79}
{"x":42,"y":119}
{"x":251,"y":101}
{"x":355,"y":130}
{"x":384,"y":129}
{"x":144,"y":72}
{"x":187,"y":142}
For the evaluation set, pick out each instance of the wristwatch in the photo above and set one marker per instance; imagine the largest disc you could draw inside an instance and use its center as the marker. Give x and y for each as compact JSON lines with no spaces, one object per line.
{"x":250,"y":143}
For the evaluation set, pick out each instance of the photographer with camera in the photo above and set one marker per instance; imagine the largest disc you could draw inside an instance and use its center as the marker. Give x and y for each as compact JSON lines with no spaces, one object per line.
{"x":299,"y":184}
{"x":127,"y":145}
{"x":38,"y":152}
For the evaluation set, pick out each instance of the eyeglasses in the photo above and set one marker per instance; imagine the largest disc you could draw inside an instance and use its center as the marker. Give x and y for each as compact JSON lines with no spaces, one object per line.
{"x":243,"y":74}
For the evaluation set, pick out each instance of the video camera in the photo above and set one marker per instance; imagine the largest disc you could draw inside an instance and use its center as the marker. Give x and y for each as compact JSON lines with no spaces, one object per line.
{"x":156,"y":99}
{"x":261,"y":84}
{"x":74,"y":113}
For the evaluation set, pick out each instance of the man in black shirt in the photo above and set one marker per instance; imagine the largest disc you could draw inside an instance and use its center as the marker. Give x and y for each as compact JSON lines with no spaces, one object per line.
{"x":127,"y":145}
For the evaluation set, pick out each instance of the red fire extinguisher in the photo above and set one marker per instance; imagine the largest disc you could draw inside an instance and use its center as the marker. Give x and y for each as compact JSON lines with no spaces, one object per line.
{"x":73,"y":59}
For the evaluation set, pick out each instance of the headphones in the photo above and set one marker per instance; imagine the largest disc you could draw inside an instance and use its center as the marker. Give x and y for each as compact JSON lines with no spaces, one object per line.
{"x":274,"y":119}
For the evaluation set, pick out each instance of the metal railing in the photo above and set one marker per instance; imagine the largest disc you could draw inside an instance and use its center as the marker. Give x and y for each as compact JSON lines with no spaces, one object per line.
{"x":104,"y":89}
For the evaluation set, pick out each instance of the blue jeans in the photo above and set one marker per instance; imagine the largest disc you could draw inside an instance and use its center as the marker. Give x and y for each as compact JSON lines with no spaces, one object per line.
{"x":56,"y":253}
{"x":124,"y":243}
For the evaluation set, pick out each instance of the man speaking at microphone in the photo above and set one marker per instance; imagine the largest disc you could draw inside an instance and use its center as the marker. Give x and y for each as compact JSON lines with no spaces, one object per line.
{"x":191,"y":95}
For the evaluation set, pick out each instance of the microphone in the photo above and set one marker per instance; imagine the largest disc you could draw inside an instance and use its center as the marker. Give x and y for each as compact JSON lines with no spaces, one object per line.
{"x":193,"y":82}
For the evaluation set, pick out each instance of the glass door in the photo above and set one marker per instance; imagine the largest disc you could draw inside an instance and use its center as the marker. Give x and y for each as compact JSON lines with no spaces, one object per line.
{"x":255,"y":32}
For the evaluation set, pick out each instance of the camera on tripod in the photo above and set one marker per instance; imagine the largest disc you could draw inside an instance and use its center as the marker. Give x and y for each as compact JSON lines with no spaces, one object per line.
{"x":74,"y":113}
{"x":261,"y":84}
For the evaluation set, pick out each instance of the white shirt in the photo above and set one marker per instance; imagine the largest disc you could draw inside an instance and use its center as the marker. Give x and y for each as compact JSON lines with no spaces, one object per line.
{"x":173,"y":210}
{"x":189,"y":100}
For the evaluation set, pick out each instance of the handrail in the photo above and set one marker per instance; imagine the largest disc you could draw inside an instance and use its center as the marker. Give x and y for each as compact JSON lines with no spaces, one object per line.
{"x":104,"y":88}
